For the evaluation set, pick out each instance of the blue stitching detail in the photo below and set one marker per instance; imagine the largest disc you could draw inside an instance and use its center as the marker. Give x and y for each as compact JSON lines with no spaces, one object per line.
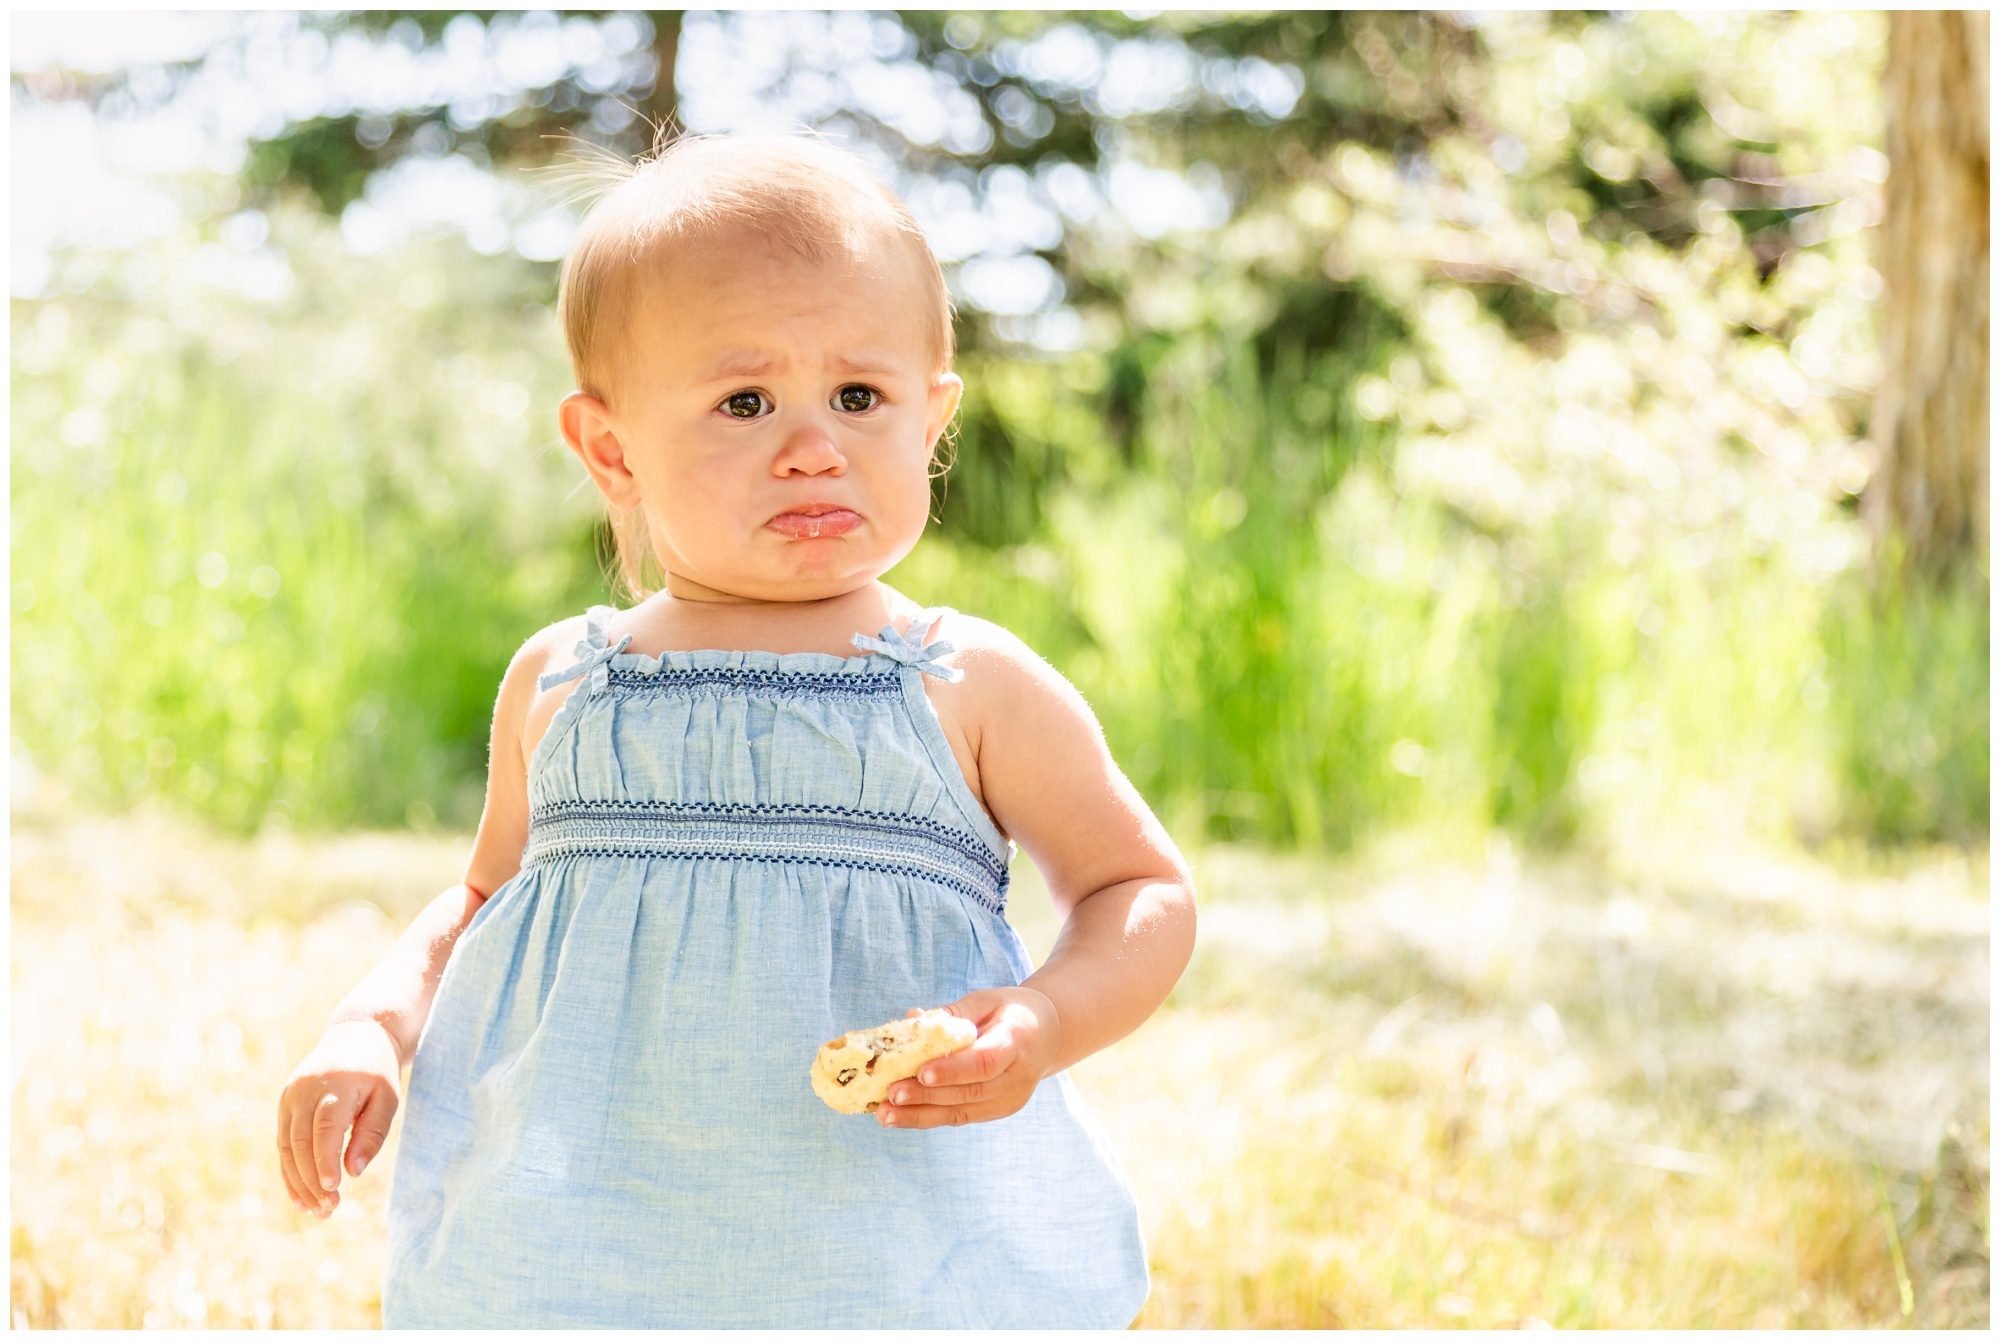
{"x":792,"y":683}
{"x":957,"y":838}
{"x":906,"y":648}
{"x":975,"y":893}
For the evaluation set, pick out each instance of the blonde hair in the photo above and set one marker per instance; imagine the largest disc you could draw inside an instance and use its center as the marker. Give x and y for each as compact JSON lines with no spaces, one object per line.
{"x":796,"y":190}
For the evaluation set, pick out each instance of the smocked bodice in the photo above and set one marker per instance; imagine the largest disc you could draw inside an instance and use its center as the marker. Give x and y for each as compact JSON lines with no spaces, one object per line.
{"x":778,"y":756}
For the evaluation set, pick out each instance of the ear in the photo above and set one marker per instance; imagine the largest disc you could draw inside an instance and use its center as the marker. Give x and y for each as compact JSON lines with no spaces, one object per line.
{"x":944,"y":396}
{"x":592,"y":433}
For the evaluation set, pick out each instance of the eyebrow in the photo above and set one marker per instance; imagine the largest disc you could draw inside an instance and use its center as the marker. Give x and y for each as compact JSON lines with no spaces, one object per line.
{"x":754,"y":362}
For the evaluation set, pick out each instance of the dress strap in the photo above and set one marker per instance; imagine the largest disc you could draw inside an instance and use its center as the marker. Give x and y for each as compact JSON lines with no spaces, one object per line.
{"x":910,"y":648}
{"x":595,"y":655}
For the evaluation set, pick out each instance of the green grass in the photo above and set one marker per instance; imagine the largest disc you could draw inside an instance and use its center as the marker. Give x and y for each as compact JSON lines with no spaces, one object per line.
{"x":261,"y":573}
{"x":1407,"y":1089}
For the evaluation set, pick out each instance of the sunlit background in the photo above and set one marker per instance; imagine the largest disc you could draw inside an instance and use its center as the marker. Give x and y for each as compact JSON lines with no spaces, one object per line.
{"x":1444,"y":447}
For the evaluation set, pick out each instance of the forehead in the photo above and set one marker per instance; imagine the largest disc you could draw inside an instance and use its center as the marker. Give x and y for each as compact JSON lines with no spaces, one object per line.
{"x":716,"y":292}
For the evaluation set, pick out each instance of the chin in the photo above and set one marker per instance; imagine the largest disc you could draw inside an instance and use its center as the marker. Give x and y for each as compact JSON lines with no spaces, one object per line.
{"x":820,"y":576}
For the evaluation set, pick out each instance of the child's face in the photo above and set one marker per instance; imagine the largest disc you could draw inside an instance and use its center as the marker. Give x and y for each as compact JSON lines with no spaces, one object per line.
{"x":758,"y":382}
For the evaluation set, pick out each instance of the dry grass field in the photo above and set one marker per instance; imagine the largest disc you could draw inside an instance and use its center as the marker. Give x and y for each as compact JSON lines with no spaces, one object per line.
{"x":1679,"y":1088}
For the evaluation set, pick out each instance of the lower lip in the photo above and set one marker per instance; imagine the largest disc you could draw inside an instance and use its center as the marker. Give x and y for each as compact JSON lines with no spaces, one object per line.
{"x":826,"y":524}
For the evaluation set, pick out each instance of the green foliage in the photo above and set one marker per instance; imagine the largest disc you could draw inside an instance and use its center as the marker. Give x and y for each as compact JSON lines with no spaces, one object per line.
{"x":1912,"y":731}
{"x":272,"y":547}
{"x":1425,"y":493}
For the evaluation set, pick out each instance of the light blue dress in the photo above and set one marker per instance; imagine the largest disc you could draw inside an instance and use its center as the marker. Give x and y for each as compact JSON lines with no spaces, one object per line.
{"x":732,"y":857}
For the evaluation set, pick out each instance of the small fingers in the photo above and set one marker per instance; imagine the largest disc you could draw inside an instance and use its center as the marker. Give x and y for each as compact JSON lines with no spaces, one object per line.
{"x":304,"y":1165}
{"x":291,"y":1178}
{"x":965,"y":1075}
{"x":923,"y":1116}
{"x":285,"y":1154}
{"x":287,"y":1164}
{"x":371,"y":1128}
{"x":910,"y":1093}
{"x":329,"y":1128}
{"x":302,"y":1196}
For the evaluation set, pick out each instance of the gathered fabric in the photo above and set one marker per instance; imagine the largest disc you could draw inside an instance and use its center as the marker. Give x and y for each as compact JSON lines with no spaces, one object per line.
{"x":733,"y":857}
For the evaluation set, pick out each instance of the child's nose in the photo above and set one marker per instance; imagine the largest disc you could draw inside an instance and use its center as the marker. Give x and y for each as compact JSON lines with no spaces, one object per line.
{"x":810,"y":446}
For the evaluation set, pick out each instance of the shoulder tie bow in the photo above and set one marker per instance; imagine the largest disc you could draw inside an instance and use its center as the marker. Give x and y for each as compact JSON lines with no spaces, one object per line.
{"x":594,"y":656}
{"x":910,"y":649}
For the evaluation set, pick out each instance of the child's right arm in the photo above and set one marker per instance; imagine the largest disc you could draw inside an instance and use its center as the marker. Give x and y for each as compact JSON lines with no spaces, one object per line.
{"x":351,"y":1076}
{"x":397,"y":993}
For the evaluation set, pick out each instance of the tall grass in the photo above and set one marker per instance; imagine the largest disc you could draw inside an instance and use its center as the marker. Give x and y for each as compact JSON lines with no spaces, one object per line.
{"x":268,"y":563}
{"x":272,"y":551}
{"x":1323,"y":671}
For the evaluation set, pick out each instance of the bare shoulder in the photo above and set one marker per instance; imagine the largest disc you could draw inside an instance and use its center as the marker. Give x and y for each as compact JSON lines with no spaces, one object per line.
{"x":972,"y":635}
{"x":547,"y":650}
{"x":1047,"y":774}
{"x":518,"y":719}
{"x":554,"y":646}
{"x":999,"y":669}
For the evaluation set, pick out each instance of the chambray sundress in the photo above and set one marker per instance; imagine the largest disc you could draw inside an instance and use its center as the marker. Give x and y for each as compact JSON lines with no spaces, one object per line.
{"x":732,"y":857}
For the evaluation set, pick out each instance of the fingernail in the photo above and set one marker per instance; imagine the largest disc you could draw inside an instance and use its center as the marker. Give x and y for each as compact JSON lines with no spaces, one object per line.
{"x":327,"y":1181}
{"x":930,"y":1077}
{"x":362,"y":1164}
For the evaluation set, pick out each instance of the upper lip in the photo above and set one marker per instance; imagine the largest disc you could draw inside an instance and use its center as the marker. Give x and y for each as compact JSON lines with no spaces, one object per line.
{"x":815,"y":508}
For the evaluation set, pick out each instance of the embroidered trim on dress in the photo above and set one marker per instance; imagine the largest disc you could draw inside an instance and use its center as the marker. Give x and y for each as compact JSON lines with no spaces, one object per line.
{"x":829,"y":834}
{"x":783,"y":683}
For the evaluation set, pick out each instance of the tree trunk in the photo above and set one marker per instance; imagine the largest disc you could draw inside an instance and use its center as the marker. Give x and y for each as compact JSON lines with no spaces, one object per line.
{"x":1926,"y":505}
{"x":662,"y":105}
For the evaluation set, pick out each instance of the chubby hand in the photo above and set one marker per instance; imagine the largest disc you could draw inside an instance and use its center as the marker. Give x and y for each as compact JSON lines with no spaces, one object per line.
{"x":995,"y":1076}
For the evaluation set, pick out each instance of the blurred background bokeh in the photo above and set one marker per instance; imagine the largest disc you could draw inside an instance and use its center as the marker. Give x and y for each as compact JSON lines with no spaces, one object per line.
{"x":1512,"y":485}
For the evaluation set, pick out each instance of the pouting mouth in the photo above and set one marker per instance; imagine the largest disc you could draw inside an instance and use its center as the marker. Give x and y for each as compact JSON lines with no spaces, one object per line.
{"x":813,"y":509}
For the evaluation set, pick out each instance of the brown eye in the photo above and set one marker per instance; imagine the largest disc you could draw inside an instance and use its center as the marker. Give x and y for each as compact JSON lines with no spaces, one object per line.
{"x":860,"y":399}
{"x":744,"y":404}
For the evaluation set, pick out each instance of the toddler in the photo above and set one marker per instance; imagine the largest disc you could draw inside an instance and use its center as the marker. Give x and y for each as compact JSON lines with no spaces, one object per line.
{"x":715,"y":838}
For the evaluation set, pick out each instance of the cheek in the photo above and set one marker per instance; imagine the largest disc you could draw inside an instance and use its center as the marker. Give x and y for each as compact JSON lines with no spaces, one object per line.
{"x":698,"y":478}
{"x":913,"y":498}
{"x":898,"y":476}
{"x":692,"y":500}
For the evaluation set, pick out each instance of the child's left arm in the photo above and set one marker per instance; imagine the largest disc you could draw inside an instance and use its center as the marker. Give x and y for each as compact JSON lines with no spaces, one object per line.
{"x":1126,"y":894}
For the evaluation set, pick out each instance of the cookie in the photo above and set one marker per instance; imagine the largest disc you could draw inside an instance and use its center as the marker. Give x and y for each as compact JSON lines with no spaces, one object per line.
{"x":853,"y":1072}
